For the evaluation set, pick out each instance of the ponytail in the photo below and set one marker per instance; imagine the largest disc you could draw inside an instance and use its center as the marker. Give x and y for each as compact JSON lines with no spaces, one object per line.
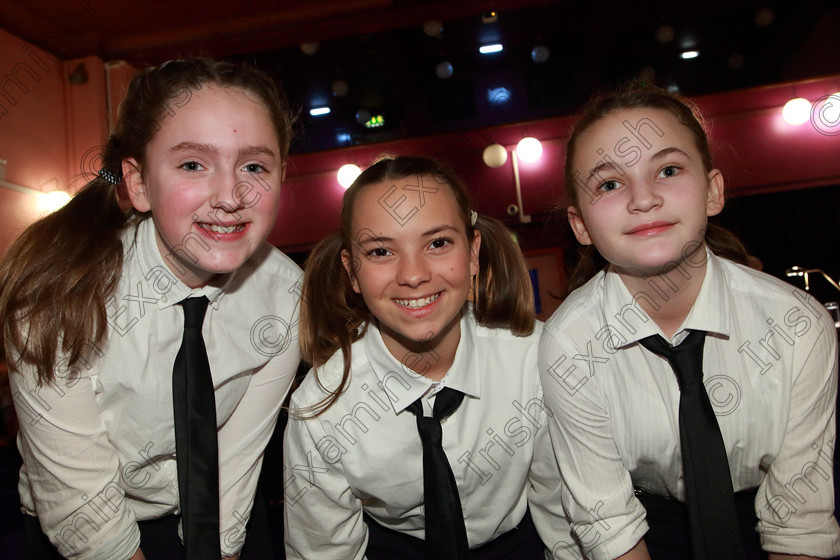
{"x":332,"y":315}
{"x":503,"y":296}
{"x":54,"y":276}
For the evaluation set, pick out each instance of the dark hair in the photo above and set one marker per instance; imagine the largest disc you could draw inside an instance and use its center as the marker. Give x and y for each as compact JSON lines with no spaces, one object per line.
{"x":642,"y":96}
{"x":334,"y":316}
{"x":56,"y":276}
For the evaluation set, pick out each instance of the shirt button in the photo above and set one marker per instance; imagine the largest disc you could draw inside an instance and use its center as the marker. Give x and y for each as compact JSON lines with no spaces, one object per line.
{"x":163,"y":299}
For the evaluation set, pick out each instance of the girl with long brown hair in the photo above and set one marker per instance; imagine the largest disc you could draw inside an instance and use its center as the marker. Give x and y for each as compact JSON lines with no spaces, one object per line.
{"x":417,"y":300}
{"x":96,"y":338}
{"x":693,"y":397}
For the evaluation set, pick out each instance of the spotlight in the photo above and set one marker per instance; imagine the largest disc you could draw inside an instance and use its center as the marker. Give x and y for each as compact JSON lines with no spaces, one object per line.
{"x":796,"y":111}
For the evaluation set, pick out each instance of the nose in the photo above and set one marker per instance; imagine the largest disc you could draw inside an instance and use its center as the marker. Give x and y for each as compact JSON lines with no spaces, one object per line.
{"x":413,"y":270}
{"x":225,"y":191}
{"x":644,"y":196}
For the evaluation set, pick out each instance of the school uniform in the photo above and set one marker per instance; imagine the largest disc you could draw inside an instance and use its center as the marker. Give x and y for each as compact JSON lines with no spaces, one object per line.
{"x":99,"y":445}
{"x":363,"y":458}
{"x":770,"y":370}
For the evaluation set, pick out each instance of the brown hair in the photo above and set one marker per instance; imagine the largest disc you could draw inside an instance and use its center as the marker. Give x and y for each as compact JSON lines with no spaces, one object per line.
{"x":333,"y":316}
{"x":635,"y":95}
{"x":57,"y":275}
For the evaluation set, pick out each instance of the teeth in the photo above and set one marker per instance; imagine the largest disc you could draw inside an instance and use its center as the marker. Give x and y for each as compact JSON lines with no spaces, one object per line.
{"x":415,"y":303}
{"x":222,"y":229}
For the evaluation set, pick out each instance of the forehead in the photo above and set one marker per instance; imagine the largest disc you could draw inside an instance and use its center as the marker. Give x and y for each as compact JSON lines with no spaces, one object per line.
{"x":621,"y":131}
{"x":213,"y":114}
{"x":406,"y":205}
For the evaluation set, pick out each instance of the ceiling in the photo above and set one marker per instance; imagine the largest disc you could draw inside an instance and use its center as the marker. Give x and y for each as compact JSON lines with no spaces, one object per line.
{"x":388,"y":60}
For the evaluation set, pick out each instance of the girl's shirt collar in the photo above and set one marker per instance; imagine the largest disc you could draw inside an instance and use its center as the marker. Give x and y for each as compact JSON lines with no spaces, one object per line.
{"x":710,"y":312}
{"x":403,"y":386}
{"x":160,"y":280}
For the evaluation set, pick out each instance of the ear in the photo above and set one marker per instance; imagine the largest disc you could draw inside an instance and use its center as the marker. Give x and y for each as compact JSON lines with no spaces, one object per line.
{"x":715,"y":199}
{"x":135,"y":186}
{"x":351,"y":265}
{"x":578,"y":226}
{"x":475,"y":245}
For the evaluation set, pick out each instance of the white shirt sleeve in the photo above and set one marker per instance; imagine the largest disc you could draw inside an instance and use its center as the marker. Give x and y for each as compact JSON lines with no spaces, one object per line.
{"x":596,"y":485}
{"x":323,"y":518}
{"x":795,"y":504}
{"x":242,"y":440}
{"x":544,"y":500}
{"x":73,"y":470}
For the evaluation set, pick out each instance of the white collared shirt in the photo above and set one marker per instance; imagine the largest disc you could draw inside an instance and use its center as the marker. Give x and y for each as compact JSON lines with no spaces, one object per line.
{"x":364,"y":453}
{"x":770,"y":369}
{"x":99,"y":445}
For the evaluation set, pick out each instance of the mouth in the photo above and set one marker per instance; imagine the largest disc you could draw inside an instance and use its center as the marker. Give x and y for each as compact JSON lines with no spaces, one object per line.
{"x":216,"y":228}
{"x":650,"y":228}
{"x":418,"y":302}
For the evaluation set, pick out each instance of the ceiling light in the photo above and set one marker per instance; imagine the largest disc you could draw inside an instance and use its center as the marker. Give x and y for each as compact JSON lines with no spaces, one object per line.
{"x":540,"y":54}
{"x":529,"y":149}
{"x":347,"y":173}
{"x":796,"y":111}
{"x":489,"y":49}
{"x":689,"y":54}
{"x":319,"y":111}
{"x":495,"y":155}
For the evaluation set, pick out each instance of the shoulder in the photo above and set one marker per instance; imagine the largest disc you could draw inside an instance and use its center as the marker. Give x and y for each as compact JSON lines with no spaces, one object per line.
{"x":581,"y":307}
{"x":320,"y":382}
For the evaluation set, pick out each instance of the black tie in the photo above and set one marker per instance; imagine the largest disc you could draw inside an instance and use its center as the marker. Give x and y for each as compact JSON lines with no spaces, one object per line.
{"x":196,"y":441}
{"x":713,"y":523}
{"x":446,"y":534}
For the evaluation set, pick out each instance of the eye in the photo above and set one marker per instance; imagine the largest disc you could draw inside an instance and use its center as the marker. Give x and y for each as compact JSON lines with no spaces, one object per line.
{"x":608,"y":186}
{"x":669,"y":171}
{"x":192,"y":166}
{"x":440,"y":243}
{"x":377,"y":252}
{"x":255,"y":168}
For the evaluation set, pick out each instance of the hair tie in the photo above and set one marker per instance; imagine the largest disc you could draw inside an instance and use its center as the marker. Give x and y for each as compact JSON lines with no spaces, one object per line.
{"x":113,"y":178}
{"x":473,"y":217}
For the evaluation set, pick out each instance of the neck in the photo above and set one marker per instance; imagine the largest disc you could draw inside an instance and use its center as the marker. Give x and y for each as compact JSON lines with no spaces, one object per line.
{"x":667,"y":298}
{"x":430,"y":358}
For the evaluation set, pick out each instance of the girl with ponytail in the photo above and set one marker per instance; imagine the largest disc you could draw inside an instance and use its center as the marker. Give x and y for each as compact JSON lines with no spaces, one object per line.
{"x":416,"y":297}
{"x":92,"y":321}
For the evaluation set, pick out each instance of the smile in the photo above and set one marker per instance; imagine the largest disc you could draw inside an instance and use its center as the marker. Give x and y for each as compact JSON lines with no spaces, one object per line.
{"x":222,"y":229}
{"x":417,"y":303}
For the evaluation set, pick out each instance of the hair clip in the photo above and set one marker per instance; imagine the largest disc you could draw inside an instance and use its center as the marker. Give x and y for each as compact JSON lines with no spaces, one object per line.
{"x":113,"y":178}
{"x":473,"y":217}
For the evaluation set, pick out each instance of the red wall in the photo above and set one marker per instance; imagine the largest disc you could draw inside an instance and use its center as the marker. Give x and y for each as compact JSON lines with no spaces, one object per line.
{"x":47,"y":125}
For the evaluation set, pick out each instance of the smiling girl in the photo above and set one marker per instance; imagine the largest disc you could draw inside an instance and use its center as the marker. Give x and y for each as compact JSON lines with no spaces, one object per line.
{"x":642,"y":186}
{"x":417,"y":299}
{"x":93,"y":327}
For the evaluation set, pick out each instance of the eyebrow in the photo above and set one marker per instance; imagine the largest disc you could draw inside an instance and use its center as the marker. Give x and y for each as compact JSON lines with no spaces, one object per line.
{"x":601,"y":167}
{"x":665,"y":152}
{"x":381,"y":240}
{"x":213,"y":150}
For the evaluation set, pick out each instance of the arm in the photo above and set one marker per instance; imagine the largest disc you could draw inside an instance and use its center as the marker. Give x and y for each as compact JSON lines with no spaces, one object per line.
{"x":795,"y":502}
{"x":638,"y":552}
{"x":72,"y":474}
{"x":242,"y":442}
{"x":596,"y":490}
{"x":323,"y":518}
